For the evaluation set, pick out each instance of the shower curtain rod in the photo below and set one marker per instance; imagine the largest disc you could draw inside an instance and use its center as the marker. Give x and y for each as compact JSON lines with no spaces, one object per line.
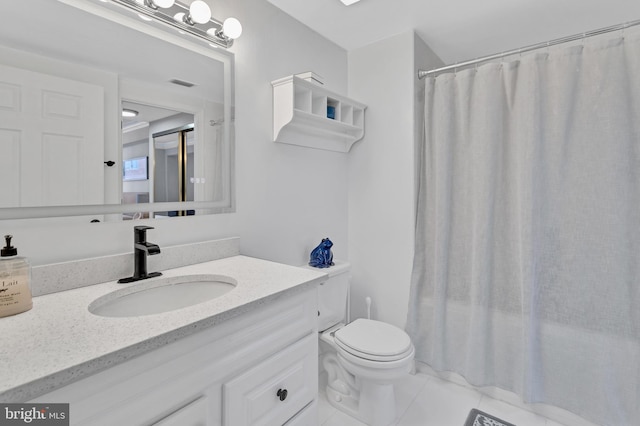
{"x":424,"y":73}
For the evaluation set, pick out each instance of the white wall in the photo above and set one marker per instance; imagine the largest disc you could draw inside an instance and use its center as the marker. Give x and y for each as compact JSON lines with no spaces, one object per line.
{"x":382,"y":173}
{"x":288,"y":198}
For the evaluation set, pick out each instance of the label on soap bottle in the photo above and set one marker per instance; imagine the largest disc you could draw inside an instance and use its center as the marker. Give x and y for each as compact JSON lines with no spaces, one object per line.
{"x":15,"y":289}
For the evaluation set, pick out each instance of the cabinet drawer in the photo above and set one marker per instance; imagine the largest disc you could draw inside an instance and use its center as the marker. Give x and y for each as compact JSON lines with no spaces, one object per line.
{"x":276,"y":389}
{"x":192,"y":414}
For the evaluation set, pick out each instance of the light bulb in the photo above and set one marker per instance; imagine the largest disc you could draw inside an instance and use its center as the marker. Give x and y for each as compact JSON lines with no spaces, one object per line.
{"x":199,"y":12}
{"x":165,"y":4}
{"x":232,"y":28}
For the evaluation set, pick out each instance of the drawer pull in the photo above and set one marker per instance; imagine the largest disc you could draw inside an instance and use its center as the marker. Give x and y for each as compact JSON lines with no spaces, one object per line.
{"x":282,"y":394}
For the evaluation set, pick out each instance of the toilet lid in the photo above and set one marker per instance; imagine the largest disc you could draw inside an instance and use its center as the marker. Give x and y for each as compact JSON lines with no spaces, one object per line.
{"x":374,"y":340}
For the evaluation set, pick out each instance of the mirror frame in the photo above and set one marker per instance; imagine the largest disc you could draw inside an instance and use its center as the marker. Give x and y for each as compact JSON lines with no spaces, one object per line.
{"x":227,"y":204}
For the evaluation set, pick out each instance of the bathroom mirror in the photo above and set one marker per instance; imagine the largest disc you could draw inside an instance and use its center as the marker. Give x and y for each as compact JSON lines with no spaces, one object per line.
{"x":69,"y":68}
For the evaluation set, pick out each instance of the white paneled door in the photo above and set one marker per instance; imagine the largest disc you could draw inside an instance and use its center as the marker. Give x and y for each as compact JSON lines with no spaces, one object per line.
{"x":51,"y":140}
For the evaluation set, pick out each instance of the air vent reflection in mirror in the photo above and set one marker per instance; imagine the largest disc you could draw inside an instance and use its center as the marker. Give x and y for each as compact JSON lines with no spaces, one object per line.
{"x":182,"y":83}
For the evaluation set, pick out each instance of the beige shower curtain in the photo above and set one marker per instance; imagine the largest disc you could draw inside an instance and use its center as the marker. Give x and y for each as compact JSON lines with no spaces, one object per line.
{"x":527,"y":259}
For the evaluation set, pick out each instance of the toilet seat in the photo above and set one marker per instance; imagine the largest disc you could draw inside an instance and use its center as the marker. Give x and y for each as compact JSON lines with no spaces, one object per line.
{"x":374,"y":341}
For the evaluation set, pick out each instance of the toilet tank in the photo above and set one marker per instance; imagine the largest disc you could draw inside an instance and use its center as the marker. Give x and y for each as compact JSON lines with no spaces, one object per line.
{"x":333,"y":294}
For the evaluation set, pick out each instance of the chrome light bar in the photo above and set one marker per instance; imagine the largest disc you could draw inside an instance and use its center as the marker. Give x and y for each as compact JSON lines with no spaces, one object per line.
{"x":178,"y":16}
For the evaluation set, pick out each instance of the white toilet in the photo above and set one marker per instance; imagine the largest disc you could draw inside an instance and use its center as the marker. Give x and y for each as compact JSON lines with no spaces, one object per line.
{"x":363,"y":359}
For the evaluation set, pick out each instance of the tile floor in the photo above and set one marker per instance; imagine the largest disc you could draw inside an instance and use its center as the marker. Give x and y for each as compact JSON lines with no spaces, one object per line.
{"x":425,"y":400}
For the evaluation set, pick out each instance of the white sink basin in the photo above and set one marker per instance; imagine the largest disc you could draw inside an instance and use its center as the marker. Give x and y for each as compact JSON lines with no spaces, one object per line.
{"x":161,"y":295}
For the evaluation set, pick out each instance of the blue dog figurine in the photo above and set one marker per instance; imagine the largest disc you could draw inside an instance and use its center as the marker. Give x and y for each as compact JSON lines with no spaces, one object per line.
{"x":321,"y":256}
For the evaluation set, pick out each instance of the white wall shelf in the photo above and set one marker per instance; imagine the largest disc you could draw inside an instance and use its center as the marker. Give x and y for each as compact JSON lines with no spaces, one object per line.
{"x":300,"y":116}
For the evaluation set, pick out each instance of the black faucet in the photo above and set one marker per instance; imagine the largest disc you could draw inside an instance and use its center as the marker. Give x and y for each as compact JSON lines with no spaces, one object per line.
{"x":141,"y":249}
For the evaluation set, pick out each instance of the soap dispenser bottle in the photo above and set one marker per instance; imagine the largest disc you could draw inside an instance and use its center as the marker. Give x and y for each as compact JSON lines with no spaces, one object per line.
{"x":15,"y":281}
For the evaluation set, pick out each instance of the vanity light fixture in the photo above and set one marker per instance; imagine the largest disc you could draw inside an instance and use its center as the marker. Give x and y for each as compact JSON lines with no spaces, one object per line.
{"x":232,"y":28}
{"x":349,"y":2}
{"x":155,"y":4}
{"x":199,"y":13}
{"x":194,"y":19}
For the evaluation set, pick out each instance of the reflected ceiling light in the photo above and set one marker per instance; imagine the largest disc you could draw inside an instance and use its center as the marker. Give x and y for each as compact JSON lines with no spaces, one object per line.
{"x":128,"y":113}
{"x":194,"y":19}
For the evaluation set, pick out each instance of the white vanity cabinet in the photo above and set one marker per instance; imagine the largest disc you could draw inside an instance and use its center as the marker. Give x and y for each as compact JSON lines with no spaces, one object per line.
{"x":259,"y":368}
{"x":275,"y":390}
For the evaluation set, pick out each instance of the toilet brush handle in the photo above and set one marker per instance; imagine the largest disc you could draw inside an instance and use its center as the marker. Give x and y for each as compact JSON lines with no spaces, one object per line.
{"x":368,"y":302}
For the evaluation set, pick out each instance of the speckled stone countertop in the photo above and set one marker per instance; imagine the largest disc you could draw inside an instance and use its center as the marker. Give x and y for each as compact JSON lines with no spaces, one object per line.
{"x":59,"y":341}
